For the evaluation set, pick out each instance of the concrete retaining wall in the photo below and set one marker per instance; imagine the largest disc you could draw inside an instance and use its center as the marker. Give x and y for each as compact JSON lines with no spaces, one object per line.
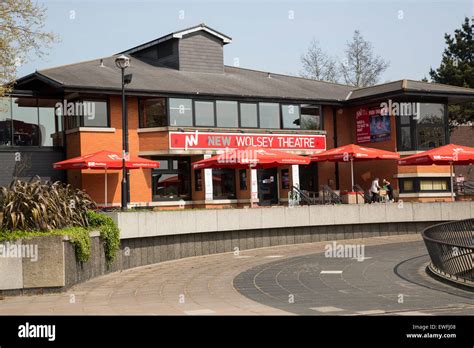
{"x":165,"y":223}
{"x":152,"y":237}
{"x":57,"y":268}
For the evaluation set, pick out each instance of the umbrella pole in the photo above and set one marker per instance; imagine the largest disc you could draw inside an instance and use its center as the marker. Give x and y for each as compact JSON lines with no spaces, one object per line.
{"x":105,"y":200}
{"x":452,"y":181}
{"x":352,"y":174}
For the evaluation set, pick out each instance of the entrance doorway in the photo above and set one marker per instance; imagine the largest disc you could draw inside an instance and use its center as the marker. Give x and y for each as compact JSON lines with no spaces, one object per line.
{"x":267,"y":186}
{"x":309,"y":177}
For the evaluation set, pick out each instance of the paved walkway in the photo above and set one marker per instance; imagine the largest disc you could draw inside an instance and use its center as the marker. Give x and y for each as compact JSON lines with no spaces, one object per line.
{"x":205,"y":284}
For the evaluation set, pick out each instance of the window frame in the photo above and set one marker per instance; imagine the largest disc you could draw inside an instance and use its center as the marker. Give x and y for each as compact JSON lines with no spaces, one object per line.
{"x":282,"y":105}
{"x":214,"y":111}
{"x":413,"y":124}
{"x":168,"y":109}
{"x":417,"y":184}
{"x":217,"y":116}
{"x":279,"y":114}
{"x":141,"y":101}
{"x":234,"y":184}
{"x":240,"y":114}
{"x":170,"y":170}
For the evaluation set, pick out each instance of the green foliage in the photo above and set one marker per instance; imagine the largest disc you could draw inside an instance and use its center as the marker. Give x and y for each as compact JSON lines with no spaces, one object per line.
{"x":109,"y":233}
{"x":81,"y":240}
{"x":22,"y":27}
{"x":78,"y":236}
{"x":37,"y":206}
{"x":457,"y":69}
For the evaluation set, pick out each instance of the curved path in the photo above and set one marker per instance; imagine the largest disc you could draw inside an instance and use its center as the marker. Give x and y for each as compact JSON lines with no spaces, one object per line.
{"x":274,"y":280}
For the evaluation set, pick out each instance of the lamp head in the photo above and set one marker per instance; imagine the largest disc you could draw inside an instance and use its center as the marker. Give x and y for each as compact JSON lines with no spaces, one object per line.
{"x":122,"y":61}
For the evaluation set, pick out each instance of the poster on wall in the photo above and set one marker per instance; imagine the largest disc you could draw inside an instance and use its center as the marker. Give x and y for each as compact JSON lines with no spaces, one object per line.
{"x":362,"y":126}
{"x":372,"y":126}
{"x":379,"y":126}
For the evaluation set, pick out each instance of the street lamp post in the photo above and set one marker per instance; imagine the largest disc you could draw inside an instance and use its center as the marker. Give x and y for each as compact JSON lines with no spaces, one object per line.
{"x":123,"y":62}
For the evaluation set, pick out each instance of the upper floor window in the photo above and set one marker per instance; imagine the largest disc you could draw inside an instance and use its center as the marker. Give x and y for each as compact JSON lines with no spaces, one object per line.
{"x":83,"y":113}
{"x":291,"y":116}
{"x":269,"y":115}
{"x":227,"y":113}
{"x":248,"y":115}
{"x":425,"y":131}
{"x":311,"y":117}
{"x":204,"y":113}
{"x":181,"y":112}
{"x":96,"y":115}
{"x":28,"y":122}
{"x":153,"y":113}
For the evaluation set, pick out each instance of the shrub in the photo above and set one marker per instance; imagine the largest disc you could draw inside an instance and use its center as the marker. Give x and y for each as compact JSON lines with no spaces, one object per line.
{"x":37,"y":206}
{"x":109,"y":233}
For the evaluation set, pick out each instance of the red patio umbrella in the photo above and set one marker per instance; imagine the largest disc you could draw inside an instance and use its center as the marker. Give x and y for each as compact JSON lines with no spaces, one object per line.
{"x":105,"y":160}
{"x":450,"y":154}
{"x":351,"y":153}
{"x":251,"y":157}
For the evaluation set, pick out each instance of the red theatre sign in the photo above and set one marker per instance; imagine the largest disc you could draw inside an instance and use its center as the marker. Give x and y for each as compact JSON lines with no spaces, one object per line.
{"x":208,"y":140}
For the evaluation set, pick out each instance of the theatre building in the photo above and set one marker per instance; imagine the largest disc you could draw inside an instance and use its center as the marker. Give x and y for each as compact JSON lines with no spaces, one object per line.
{"x":183,"y":105}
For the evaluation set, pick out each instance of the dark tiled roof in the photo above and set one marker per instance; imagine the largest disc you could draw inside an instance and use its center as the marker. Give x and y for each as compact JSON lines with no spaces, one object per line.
{"x":408,"y":86}
{"x":233,"y":82}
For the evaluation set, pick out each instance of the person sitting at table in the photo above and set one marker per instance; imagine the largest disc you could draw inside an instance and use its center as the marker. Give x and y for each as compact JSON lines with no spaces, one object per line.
{"x":374,"y":189}
{"x":388,"y":186}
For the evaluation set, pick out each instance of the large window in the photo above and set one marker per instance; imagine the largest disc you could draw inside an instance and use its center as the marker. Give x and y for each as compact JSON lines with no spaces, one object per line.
{"x":227,"y":113}
{"x":47,"y":121}
{"x":223,"y":183}
{"x":248,"y":115}
{"x":204,"y":113}
{"x":181,"y":112}
{"x":25,"y":122}
{"x":417,"y":185}
{"x":28,"y":122}
{"x":84,"y":113}
{"x":427,"y":131}
{"x":291,"y":116}
{"x":153,"y":113}
{"x":96,"y":114}
{"x":172,"y":180}
{"x":431,"y":126}
{"x":269,"y":115}
{"x":311,"y":117}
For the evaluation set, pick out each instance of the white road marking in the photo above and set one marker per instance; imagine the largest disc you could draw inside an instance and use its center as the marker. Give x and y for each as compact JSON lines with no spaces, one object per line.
{"x":200,"y":312}
{"x":371,"y":311}
{"x":412,"y":313}
{"x":361,"y":258}
{"x":326,"y":309}
{"x":331,"y":272}
{"x":273,"y":256}
{"x":242,"y":256}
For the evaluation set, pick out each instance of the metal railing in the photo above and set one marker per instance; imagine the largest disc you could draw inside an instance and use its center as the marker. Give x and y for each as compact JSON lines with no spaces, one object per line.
{"x":305,"y":197}
{"x":325,"y":196}
{"x":329,"y":196}
{"x":361,"y":193}
{"x":451,"y":249}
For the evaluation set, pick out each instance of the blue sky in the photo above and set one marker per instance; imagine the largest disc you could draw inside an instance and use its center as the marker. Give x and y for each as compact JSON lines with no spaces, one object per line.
{"x":264,"y":35}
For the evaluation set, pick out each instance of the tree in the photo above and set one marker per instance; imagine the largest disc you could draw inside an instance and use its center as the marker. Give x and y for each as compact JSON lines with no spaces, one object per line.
{"x":21,"y":33}
{"x":457,"y":69}
{"x":317,"y":65}
{"x":360,"y":67}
